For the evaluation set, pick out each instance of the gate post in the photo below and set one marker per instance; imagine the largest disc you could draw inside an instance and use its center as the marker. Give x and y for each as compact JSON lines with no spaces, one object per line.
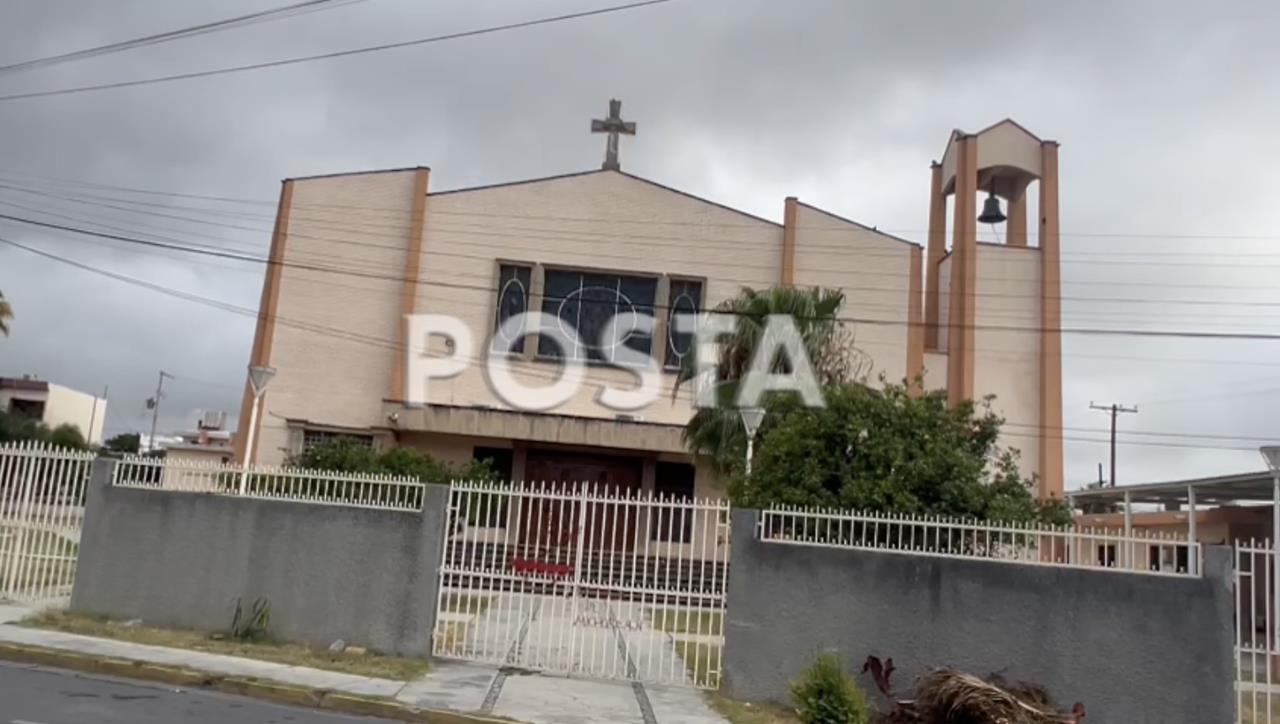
{"x":418,"y":635}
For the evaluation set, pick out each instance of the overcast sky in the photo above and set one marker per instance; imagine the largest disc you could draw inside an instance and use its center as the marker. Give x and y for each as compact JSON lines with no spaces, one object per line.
{"x":1165,"y":111}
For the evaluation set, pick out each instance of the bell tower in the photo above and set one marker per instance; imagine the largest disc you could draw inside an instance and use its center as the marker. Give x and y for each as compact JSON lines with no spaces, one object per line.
{"x":998,"y":321}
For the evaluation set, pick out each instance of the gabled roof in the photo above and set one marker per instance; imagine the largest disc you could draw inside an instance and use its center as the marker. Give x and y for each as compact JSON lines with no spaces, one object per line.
{"x":631,"y":176}
{"x":357,"y":173}
{"x":641,"y":179}
{"x":858,"y":224}
{"x":957,"y":133}
{"x":1013,"y":123}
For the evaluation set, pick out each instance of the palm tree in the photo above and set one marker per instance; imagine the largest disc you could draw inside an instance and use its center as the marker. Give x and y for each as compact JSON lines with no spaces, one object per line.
{"x":6,"y":313}
{"x":717,"y":432}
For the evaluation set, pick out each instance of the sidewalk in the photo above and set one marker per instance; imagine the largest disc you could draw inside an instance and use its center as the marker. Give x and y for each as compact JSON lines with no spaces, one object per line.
{"x":463,"y":688}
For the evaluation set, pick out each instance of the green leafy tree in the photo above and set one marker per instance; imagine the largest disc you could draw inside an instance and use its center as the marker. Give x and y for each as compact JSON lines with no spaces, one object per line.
{"x":886,"y":450}
{"x":717,"y":432}
{"x":6,"y":314}
{"x":353,"y":457}
{"x":16,"y":427}
{"x":67,"y":435}
{"x":125,"y":442}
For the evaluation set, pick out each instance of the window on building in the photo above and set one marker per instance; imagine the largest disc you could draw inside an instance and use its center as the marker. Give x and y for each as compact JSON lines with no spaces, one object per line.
{"x":312,"y":438}
{"x":673,"y":482}
{"x":33,"y":409}
{"x":685,"y":298}
{"x":513,"y":299}
{"x":585,"y":302}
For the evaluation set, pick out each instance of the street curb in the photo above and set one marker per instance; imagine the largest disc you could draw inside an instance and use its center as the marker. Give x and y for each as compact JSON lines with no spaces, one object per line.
{"x":254,"y":688}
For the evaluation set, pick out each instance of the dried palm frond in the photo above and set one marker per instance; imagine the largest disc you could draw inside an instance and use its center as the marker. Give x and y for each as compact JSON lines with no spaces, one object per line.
{"x":945,"y":696}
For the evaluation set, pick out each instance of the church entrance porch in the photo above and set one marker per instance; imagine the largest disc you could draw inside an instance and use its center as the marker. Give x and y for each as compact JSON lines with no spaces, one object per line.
{"x":591,"y":578}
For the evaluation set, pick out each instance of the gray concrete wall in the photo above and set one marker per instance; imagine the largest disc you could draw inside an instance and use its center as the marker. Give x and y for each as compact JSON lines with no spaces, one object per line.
{"x":182,"y":559}
{"x":1132,"y":648}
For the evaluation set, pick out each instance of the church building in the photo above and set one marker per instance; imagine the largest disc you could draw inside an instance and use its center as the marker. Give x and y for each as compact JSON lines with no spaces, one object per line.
{"x":353,"y":254}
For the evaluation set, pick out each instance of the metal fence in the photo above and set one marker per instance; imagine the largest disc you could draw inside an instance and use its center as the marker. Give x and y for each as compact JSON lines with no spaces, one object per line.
{"x":1256,"y":645}
{"x":582,"y":579}
{"x":42,"y":491}
{"x":300,"y":485}
{"x":1031,"y":544}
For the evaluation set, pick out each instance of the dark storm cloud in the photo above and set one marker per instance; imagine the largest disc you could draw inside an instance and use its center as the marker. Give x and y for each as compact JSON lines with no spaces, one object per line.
{"x":1164,"y":111}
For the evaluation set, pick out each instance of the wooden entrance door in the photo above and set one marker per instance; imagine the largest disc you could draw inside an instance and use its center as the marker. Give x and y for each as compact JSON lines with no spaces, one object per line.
{"x":554,"y":523}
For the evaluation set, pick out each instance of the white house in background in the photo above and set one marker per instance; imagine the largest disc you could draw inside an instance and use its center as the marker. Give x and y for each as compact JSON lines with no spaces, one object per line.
{"x":54,"y":405}
{"x":353,"y":254}
{"x":209,"y":443}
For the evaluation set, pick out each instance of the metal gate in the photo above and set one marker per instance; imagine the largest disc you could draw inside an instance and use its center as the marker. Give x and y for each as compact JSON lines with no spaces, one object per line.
{"x":1257,"y":638}
{"x":584,"y":580}
{"x":42,"y":492}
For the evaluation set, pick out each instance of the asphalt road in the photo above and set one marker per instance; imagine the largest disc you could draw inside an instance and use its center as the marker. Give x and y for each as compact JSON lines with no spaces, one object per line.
{"x":38,"y":695}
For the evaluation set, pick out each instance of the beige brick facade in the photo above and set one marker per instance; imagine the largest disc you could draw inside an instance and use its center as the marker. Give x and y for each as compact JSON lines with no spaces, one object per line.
{"x":336,"y":337}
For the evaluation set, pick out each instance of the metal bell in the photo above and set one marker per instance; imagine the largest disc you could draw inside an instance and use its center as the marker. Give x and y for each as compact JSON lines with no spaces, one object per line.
{"x":991,"y":213}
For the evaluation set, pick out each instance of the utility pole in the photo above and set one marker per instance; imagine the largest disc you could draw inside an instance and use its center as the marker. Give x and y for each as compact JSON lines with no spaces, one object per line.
{"x":1114,"y":410}
{"x":154,"y":404}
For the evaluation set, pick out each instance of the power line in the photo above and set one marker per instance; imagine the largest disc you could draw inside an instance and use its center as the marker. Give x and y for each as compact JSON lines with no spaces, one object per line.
{"x":346,"y":223}
{"x":397,"y":294}
{"x":1139,"y":443}
{"x":1105,"y":316}
{"x":329,"y":332}
{"x":392,"y":345}
{"x":490,"y":289}
{"x":383,"y":211}
{"x":362,"y":244}
{"x":1143,"y":433}
{"x":170,"y":35}
{"x":334,"y":54}
{"x":560,"y":236}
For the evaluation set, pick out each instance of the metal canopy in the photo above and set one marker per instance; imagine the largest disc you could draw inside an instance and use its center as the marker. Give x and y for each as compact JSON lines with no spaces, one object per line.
{"x":1220,"y":490}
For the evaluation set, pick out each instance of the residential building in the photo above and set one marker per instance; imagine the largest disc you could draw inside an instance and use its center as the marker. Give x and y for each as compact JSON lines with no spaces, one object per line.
{"x":54,"y":405}
{"x":353,"y":254}
{"x":209,"y":443}
{"x":1218,"y":510}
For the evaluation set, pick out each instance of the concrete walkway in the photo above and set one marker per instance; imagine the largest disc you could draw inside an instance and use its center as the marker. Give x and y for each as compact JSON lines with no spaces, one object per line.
{"x":453,"y":686}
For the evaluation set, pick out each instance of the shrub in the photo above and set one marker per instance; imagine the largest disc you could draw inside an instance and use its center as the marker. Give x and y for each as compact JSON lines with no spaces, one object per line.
{"x":352,"y":457}
{"x":824,"y":694}
{"x":889,"y":450}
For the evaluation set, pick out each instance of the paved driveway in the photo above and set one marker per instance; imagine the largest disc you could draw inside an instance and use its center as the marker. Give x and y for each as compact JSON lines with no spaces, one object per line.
{"x":589,"y":652}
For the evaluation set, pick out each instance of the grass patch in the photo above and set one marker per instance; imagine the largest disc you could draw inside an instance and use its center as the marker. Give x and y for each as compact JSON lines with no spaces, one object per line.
{"x":47,"y":559}
{"x":678,"y":621}
{"x":698,"y":659}
{"x":1253,"y":710}
{"x":738,"y":712}
{"x":699,"y":655}
{"x":454,"y":633}
{"x":375,"y":665}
